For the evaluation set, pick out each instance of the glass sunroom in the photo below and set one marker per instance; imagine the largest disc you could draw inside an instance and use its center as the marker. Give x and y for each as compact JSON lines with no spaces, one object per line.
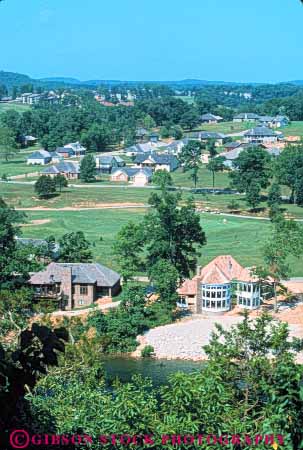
{"x":216,"y":297}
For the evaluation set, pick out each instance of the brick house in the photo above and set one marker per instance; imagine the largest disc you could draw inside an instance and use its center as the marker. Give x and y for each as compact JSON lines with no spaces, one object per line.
{"x":71,"y":170}
{"x":75,"y":285}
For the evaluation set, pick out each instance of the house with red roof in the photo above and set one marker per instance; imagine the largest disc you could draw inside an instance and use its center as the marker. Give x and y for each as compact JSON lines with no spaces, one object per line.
{"x":212,"y":288}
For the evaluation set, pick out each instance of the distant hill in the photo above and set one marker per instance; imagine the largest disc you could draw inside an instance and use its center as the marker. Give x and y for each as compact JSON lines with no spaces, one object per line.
{"x":11,"y":79}
{"x":64,"y":80}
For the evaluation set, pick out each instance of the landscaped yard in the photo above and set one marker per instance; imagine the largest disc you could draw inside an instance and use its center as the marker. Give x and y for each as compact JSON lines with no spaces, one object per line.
{"x":17,"y":166}
{"x":181,"y":178}
{"x":294,"y":129}
{"x":13,"y":106}
{"x":227,"y":127}
{"x":242,"y":238}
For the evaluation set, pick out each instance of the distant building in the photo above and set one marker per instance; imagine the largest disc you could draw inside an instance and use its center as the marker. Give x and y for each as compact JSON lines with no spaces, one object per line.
{"x":211,"y":289}
{"x":38,"y":243}
{"x":136,"y":176}
{"x":280,"y":121}
{"x":39,"y":157}
{"x":75,"y":285}
{"x":28,"y":140}
{"x":261,"y":135}
{"x":210,"y":118}
{"x":106,"y":163}
{"x":141,"y":133}
{"x":139,"y":148}
{"x":205,"y":136}
{"x":154,"y":137}
{"x":246,"y":117}
{"x":231,"y":146}
{"x":71,"y":170}
{"x":176,"y":146}
{"x":231,"y":155}
{"x":66,"y":152}
{"x":77,"y":148}
{"x":157,"y":161}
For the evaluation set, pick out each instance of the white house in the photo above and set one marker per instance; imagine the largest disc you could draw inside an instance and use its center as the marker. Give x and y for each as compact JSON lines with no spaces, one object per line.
{"x":77,"y":148}
{"x":261,"y":135}
{"x":39,"y":157}
{"x":137,"y":176}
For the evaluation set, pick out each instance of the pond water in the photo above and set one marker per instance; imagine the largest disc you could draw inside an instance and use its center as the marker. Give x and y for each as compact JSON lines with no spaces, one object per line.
{"x":156,"y":369}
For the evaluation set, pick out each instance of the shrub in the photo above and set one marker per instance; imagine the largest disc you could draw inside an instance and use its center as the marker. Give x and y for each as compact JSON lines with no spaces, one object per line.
{"x":148,"y":351}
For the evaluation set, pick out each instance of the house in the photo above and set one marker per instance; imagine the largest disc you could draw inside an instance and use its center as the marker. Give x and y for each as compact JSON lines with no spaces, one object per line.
{"x":56,"y":157}
{"x":139,"y":148}
{"x":211,"y":289}
{"x":280,"y":121}
{"x":157,"y":161}
{"x":205,"y":136}
{"x":210,"y":118}
{"x":176,"y":146}
{"x":154,"y":137}
{"x":39,"y":157}
{"x":134,"y":175}
{"x":246,"y":117}
{"x":28,"y":140}
{"x":261,"y":135}
{"x":231,"y":146}
{"x":77,"y":148}
{"x":231,"y":155}
{"x":265,"y":121}
{"x":141,"y":133}
{"x":66,"y":152}
{"x":75,"y":285}
{"x":71,"y":170}
{"x":106,"y":163}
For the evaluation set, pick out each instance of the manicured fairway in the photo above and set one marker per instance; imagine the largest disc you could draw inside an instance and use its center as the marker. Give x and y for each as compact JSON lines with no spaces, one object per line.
{"x":242,"y":238}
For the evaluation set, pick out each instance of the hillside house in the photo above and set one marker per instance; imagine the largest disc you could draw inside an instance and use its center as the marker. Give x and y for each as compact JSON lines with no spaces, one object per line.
{"x":141,"y":133}
{"x":261,"y":135}
{"x":231,"y":146}
{"x":231,"y":155}
{"x":75,"y":285}
{"x":154,"y":137}
{"x":246,"y":117}
{"x":157,"y":161}
{"x":211,"y":289}
{"x":206,"y":136}
{"x":176,"y":146}
{"x":40,"y":244}
{"x":280,"y":121}
{"x":106,"y":163}
{"x":39,"y":157}
{"x":210,"y":118}
{"x":77,"y":148}
{"x":71,"y":170}
{"x":66,"y":152}
{"x":147,"y":147}
{"x":28,"y":141}
{"x":136,"y":176}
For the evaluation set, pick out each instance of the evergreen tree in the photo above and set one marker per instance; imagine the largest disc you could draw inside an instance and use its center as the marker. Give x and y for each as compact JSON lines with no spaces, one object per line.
{"x":45,"y":186}
{"x":88,"y":168}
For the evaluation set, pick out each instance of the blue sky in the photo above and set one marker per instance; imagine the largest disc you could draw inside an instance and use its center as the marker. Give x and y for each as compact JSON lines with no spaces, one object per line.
{"x":231,"y":40}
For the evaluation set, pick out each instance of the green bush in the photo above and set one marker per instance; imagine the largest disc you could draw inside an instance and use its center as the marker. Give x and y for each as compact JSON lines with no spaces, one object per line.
{"x":148,"y":351}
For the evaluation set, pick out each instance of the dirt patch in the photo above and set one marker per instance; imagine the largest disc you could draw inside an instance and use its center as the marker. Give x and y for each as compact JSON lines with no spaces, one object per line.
{"x":36,"y":222}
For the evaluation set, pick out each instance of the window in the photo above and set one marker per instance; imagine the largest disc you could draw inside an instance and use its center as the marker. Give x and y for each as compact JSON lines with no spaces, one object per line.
{"x":81,"y":302}
{"x":83,"y":289}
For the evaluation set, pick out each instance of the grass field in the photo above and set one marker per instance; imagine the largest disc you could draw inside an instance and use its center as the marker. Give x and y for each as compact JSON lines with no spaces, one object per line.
{"x":17,"y":165}
{"x":227,"y":127}
{"x":242,"y":238}
{"x":186,"y":98}
{"x":294,"y":129}
{"x":13,"y":106}
{"x":181,"y":178}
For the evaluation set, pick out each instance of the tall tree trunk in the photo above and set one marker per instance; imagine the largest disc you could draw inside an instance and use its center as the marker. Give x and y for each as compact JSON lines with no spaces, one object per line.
{"x":275,"y":297}
{"x":213,"y":181}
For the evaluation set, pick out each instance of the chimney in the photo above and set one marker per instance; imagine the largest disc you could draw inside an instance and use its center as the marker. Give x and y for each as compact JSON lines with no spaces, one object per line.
{"x":198,"y":270}
{"x":66,"y":287}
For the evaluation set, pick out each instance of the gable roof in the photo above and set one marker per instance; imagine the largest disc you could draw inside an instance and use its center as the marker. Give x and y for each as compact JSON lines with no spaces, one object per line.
{"x":133,"y":171}
{"x":63,"y":167}
{"x":85,"y":273}
{"x":247,"y":116}
{"x":209,"y":116}
{"x":39,"y":154}
{"x":140,"y":148}
{"x":261,"y":131}
{"x":68,"y":150}
{"x":232,"y":145}
{"x":224,"y":269}
{"x":161,"y":159}
{"x":108,"y":159}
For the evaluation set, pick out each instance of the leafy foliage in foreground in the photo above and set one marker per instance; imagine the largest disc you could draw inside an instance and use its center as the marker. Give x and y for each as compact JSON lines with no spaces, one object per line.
{"x":250,"y":385}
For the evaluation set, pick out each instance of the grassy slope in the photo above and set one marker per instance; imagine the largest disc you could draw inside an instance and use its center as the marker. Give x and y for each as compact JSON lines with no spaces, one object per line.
{"x":294,"y":129}
{"x":227,"y":127}
{"x":239,"y":237}
{"x":13,"y":106}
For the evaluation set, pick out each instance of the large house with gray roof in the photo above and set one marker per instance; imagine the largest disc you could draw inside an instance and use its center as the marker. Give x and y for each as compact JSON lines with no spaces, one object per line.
{"x":75,"y":285}
{"x":157,"y":161}
{"x":39,"y":157}
{"x":246,"y":117}
{"x":261,"y":135}
{"x":135,"y":175}
{"x":106,"y":163}
{"x":71,"y":170}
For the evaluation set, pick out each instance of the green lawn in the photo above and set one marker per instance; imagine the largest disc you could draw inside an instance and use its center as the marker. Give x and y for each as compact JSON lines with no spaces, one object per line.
{"x":181,"y":178}
{"x":13,"y":106}
{"x":227,"y":127}
{"x":17,"y":165}
{"x":294,"y":129}
{"x":242,"y":238}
